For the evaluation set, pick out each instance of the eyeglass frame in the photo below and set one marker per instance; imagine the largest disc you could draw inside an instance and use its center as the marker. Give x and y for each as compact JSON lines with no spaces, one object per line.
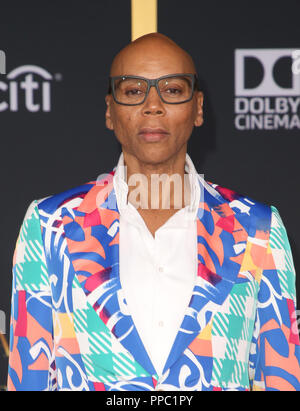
{"x":154,"y":83}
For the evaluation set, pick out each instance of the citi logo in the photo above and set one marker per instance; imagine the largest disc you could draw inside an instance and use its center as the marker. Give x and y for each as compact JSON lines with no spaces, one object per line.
{"x":27,"y":86}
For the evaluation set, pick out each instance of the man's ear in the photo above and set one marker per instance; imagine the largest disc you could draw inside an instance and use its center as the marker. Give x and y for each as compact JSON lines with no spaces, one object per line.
{"x":108,"y":118}
{"x":199,"y":116}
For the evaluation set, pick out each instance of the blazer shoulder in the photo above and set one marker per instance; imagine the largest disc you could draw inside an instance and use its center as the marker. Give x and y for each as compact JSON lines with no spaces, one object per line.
{"x":257,"y":212}
{"x":71,"y":197}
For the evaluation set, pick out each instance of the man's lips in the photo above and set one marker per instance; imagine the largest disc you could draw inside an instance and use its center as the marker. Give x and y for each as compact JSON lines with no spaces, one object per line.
{"x":152,"y":134}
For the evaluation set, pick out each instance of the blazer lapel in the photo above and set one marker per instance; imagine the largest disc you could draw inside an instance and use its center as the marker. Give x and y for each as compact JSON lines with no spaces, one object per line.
{"x":92,"y":232}
{"x":221,"y":247}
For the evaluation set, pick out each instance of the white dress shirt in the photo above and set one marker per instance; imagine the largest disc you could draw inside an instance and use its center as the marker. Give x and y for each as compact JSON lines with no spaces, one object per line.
{"x":157,"y":273}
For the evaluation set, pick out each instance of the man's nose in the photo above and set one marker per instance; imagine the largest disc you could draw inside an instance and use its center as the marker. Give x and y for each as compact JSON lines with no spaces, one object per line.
{"x":153,"y":103}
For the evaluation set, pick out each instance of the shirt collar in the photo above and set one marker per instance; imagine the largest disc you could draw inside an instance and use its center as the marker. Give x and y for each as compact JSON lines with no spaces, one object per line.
{"x":121,"y":186}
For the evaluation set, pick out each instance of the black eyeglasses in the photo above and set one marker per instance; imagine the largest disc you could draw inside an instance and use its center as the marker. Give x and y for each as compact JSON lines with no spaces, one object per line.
{"x":172,"y":89}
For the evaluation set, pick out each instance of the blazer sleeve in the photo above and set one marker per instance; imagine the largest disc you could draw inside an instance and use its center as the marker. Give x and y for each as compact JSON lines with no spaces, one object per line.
{"x":31,"y":361}
{"x":274,"y":352}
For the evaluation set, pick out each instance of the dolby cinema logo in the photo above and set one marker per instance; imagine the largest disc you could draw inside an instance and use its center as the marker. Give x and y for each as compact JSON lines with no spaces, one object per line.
{"x":267,"y":89}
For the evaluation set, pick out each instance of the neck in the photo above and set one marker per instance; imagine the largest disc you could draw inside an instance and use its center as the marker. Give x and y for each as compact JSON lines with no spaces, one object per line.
{"x":157,"y":186}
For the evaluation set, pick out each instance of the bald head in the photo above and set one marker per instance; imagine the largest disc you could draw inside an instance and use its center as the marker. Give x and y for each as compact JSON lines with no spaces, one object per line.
{"x":152,"y":50}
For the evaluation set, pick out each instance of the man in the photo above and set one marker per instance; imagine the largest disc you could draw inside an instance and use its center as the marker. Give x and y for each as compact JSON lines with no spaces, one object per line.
{"x":117,"y":287}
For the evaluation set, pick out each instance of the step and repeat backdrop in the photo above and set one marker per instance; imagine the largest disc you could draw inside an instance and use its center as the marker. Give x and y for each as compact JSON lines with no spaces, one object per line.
{"x":54,"y":65}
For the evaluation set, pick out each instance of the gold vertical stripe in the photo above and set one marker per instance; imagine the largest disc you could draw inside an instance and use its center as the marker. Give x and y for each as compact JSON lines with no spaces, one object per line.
{"x":143,"y":17}
{"x":4,"y":344}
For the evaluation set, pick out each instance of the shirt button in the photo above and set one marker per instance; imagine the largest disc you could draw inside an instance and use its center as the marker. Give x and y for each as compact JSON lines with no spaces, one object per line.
{"x":161,"y":269}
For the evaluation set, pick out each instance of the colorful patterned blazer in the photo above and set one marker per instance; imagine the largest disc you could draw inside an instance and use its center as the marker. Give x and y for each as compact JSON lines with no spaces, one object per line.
{"x":71,"y":328}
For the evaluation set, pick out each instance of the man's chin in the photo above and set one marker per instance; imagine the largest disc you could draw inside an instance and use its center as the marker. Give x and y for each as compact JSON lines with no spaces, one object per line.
{"x":154,"y":157}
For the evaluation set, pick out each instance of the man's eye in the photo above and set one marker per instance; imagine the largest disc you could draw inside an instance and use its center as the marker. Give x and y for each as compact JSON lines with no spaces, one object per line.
{"x":172,"y":90}
{"x":133,"y":92}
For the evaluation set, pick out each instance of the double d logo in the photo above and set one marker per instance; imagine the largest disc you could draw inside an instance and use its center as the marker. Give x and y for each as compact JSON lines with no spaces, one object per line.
{"x":271,"y":68}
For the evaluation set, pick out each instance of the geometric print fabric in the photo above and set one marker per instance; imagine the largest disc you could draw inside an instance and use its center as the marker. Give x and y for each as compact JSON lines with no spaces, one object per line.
{"x":232,"y":334}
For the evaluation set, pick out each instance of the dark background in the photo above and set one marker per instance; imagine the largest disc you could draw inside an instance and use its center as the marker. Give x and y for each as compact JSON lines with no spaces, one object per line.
{"x":43,"y":153}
